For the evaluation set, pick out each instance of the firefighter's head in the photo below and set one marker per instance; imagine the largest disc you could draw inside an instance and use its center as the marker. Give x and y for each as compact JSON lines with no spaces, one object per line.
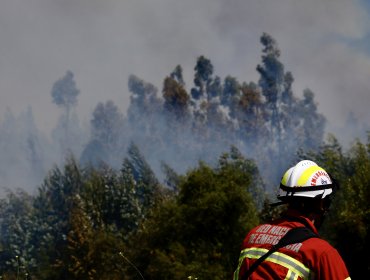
{"x":307,"y":188}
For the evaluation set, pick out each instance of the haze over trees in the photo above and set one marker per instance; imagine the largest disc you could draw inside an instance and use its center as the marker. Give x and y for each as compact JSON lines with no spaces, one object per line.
{"x":169,"y":188}
{"x":177,"y":124}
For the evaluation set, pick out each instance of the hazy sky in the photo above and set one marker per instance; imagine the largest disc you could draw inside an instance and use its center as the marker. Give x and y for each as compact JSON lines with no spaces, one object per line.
{"x":324,"y":43}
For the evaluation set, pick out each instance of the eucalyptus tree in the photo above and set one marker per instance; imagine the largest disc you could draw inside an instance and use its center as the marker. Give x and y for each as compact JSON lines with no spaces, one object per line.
{"x":64,"y":93}
{"x":313,"y":123}
{"x":107,"y":128}
{"x":271,"y":82}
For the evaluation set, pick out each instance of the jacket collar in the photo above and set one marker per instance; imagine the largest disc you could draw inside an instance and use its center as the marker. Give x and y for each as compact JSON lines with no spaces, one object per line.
{"x":294,"y":215}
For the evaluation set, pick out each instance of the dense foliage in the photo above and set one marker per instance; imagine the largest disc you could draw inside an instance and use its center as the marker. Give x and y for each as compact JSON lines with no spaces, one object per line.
{"x":100,"y":223}
{"x":197,"y":231}
{"x":88,"y":223}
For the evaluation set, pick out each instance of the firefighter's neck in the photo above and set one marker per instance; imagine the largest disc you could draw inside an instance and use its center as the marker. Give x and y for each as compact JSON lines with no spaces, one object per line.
{"x":317,"y":216}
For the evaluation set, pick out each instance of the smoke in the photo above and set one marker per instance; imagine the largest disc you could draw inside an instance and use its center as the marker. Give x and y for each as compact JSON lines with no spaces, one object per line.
{"x":103,"y":42}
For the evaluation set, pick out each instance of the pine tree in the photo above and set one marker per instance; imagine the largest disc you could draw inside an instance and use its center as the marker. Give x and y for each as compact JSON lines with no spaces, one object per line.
{"x":144,"y":179}
{"x":53,"y":205}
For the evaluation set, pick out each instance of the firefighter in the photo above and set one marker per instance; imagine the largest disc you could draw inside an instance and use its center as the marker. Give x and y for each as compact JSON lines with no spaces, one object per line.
{"x":306,"y":189}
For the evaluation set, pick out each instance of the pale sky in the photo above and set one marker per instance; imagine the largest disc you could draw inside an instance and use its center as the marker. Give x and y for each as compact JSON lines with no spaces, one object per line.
{"x":324,"y":43}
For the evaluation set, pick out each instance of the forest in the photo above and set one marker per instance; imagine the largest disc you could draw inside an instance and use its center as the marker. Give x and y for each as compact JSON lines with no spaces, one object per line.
{"x":169,"y":189}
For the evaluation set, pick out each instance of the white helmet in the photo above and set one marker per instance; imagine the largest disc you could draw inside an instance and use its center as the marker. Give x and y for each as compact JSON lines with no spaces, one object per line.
{"x":305,"y":179}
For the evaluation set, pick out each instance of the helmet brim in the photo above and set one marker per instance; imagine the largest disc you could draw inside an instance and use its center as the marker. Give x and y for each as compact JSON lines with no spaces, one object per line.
{"x":309,"y":191}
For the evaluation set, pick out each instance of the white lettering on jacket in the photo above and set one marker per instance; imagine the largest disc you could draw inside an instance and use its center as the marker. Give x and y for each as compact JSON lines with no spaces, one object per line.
{"x":268,"y":234}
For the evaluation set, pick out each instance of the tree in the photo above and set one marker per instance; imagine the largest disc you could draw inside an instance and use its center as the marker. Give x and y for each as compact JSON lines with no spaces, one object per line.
{"x":176,"y":113}
{"x":176,"y":99}
{"x":144,"y":102}
{"x":313,"y":123}
{"x":176,"y":74}
{"x":23,"y":151}
{"x":292,"y":123}
{"x":291,"y":120}
{"x":141,"y":175}
{"x":92,"y":253}
{"x":172,"y":178}
{"x":199,"y":231}
{"x":250,"y":114}
{"x":211,"y":124}
{"x":106,"y":129}
{"x":271,"y":82}
{"x":200,"y":96}
{"x":230,"y":94}
{"x":64,"y":93}
{"x":53,"y":206}
{"x":202,"y":78}
{"x":215,"y":88}
{"x":144,"y":115}
{"x":18,"y":251}
{"x":106,"y":123}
